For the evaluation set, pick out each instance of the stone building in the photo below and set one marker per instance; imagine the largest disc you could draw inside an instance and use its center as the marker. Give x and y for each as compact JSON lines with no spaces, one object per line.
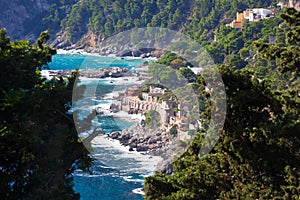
{"x":134,"y":101}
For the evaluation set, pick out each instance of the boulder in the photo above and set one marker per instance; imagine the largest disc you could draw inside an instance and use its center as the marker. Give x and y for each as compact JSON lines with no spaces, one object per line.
{"x":131,"y":149}
{"x":153,"y":140}
{"x":165,"y":167}
{"x":115,"y":135}
{"x":142,"y":147}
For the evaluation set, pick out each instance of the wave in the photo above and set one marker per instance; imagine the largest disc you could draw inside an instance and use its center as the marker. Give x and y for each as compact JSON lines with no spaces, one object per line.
{"x":75,"y":51}
{"x":88,"y":175}
{"x":139,"y":191}
{"x":130,"y":179}
{"x":121,"y":158}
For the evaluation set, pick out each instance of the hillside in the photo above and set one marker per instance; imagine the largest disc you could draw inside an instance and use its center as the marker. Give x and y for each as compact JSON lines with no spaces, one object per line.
{"x":258,"y":153}
{"x":26,"y":19}
{"x":102,"y":18}
{"x":87,"y":22}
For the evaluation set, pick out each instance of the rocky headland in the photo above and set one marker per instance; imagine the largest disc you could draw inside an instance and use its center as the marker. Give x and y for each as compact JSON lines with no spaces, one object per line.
{"x":156,"y":142}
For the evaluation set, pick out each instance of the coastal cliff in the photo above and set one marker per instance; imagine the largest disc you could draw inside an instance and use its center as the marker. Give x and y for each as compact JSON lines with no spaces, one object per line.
{"x":21,"y":19}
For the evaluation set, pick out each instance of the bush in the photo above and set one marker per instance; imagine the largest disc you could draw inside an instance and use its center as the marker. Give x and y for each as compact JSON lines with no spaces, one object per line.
{"x":173,"y":130}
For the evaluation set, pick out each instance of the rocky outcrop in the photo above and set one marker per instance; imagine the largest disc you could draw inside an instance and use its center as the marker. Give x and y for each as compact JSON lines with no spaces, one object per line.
{"x":120,"y":52}
{"x":61,"y":41}
{"x":142,"y":140}
{"x":93,"y":73}
{"x":156,"y":142}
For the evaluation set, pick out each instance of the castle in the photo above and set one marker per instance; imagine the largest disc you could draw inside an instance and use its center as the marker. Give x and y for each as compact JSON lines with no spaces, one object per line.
{"x":171,"y":111}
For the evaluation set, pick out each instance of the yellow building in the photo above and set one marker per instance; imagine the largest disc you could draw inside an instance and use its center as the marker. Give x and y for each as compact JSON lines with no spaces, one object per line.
{"x":235,"y":24}
{"x":238,"y":22}
{"x":239,"y":17}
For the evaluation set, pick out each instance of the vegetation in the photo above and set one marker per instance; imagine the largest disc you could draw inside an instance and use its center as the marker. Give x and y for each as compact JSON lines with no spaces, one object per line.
{"x":188,"y":74}
{"x":39,"y":145}
{"x":152,"y":119}
{"x":106,"y":18}
{"x":231,"y":45}
{"x":73,"y":18}
{"x":258,"y":153}
{"x":167,"y":58}
{"x":208,"y":15}
{"x":197,"y":18}
{"x":173,"y":130}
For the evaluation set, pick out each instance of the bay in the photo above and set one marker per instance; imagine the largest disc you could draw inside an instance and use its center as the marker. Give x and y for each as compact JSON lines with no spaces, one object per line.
{"x":83,"y":61}
{"x":117,"y":172}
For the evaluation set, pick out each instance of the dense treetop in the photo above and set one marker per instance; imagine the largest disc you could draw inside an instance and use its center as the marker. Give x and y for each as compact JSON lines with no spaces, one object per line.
{"x":39,"y":145}
{"x":258,"y":153}
{"x":197,"y":18}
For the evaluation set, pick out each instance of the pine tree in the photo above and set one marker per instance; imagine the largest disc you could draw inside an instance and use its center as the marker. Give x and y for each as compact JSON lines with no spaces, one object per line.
{"x":258,"y":153}
{"x":38,"y":140}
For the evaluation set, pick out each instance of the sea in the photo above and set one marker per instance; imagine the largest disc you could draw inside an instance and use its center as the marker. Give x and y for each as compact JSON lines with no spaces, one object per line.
{"x":117,"y":173}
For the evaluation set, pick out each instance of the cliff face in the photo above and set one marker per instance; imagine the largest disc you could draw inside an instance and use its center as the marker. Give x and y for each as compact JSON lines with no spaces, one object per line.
{"x":22,"y":17}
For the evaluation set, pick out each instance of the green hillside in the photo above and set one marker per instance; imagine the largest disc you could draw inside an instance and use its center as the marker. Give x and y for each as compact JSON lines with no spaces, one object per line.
{"x":73,"y":19}
{"x":258,"y":153}
{"x":197,"y":18}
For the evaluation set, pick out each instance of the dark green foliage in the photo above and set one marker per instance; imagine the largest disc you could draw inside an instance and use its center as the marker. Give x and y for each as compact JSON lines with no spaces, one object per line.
{"x":188,"y":74}
{"x":164,"y":75}
{"x":259,"y":143}
{"x":167,"y":58}
{"x":166,"y":96}
{"x":173,"y":130}
{"x":152,"y":119}
{"x":232,"y":46}
{"x":210,"y":14}
{"x":107,"y":18}
{"x":262,"y":28}
{"x":229,"y":41}
{"x":38,"y":140}
{"x":57,"y":11}
{"x":195,"y":17}
{"x":288,"y":55}
{"x":258,"y":153}
{"x":141,"y":97}
{"x":146,"y":89}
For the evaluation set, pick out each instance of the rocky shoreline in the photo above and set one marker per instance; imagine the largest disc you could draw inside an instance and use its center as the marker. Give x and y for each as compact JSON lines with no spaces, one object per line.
{"x":115,"y":72}
{"x":155,"y":142}
{"x":107,"y":51}
{"x":140,"y":138}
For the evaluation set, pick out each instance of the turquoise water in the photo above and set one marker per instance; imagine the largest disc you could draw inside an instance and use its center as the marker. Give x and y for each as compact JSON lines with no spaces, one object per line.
{"x":73,"y":61}
{"x":116,"y":173}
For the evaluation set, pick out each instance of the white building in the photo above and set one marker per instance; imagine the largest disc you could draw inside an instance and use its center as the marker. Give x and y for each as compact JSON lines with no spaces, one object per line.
{"x":282,"y":4}
{"x":259,"y":13}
